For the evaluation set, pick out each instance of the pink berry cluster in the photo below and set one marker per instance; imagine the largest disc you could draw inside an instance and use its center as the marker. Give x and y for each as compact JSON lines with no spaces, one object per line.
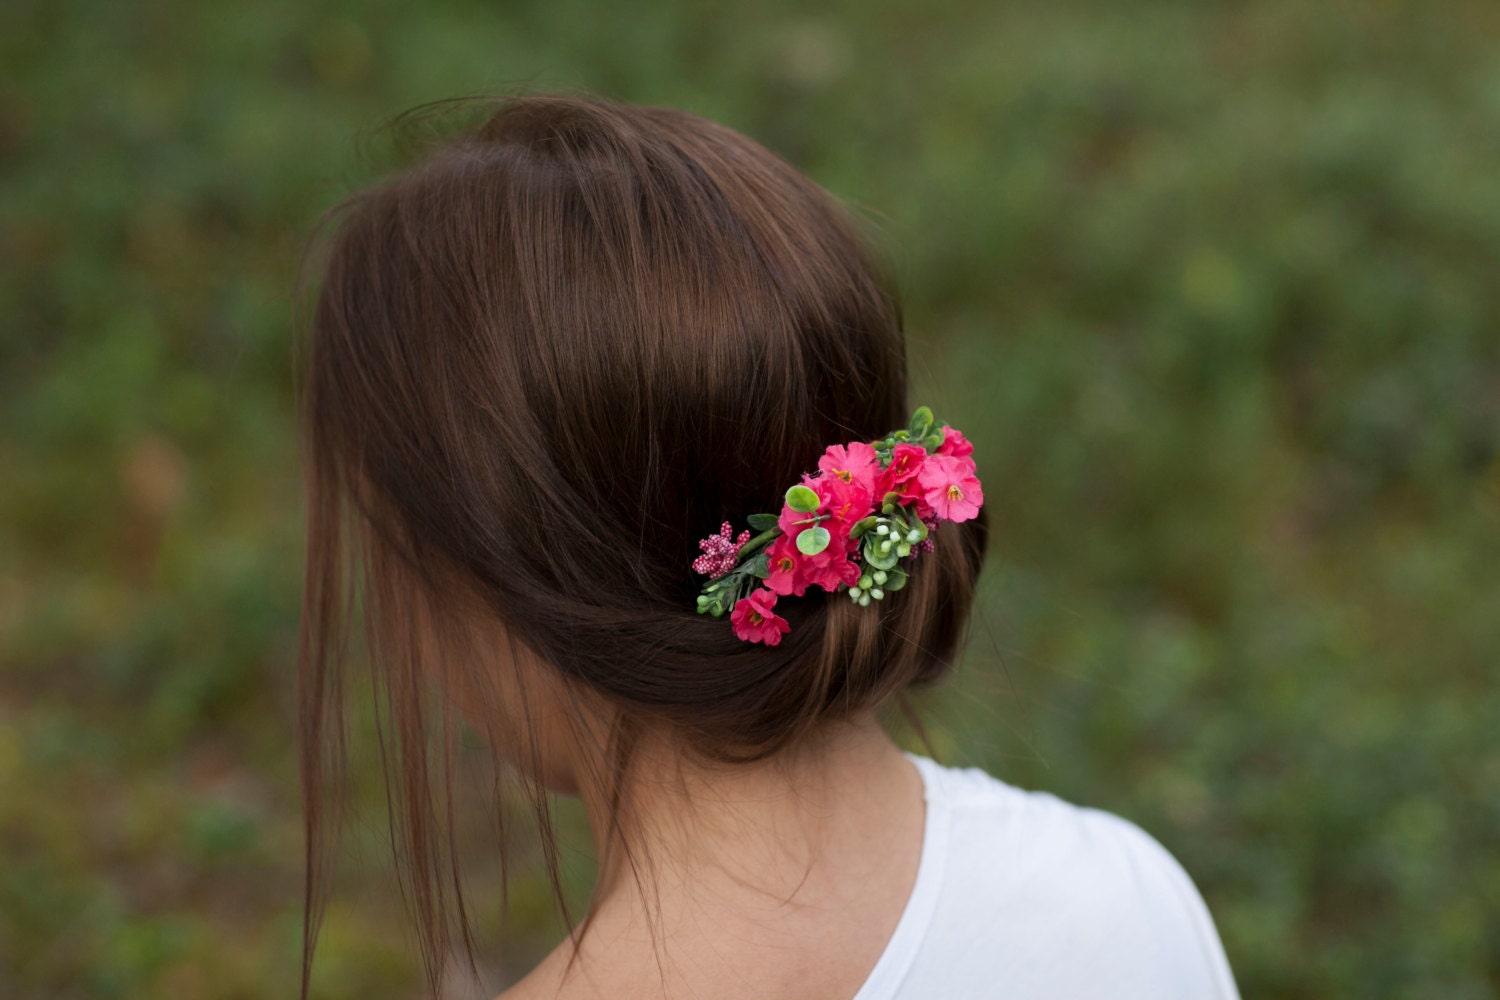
{"x":846,"y":526}
{"x":720,"y":552}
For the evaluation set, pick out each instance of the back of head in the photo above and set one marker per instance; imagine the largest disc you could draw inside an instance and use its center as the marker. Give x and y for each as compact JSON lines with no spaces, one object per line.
{"x":559,"y":350}
{"x":574,"y":341}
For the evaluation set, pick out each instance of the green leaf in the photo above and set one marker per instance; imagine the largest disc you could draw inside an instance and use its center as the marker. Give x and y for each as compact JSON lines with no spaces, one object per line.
{"x":811,"y":541}
{"x":921,"y":422}
{"x":895,"y":579}
{"x":909,"y":521}
{"x":862,"y":525}
{"x":873,"y":556}
{"x":801,"y":499}
{"x":760,"y":566}
{"x":762,"y":522}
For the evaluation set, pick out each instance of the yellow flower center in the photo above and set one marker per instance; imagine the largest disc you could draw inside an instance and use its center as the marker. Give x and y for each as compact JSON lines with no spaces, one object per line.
{"x":954,"y":493}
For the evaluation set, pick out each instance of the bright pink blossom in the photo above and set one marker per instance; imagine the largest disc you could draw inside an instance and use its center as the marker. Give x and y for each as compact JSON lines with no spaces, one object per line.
{"x":955,"y":444}
{"x":906,"y":462}
{"x":720,"y":552}
{"x":915,"y":497}
{"x":844,"y":501}
{"x":840,"y":503}
{"x":792,"y":571}
{"x":754,"y":621}
{"x":785,"y":564}
{"x":950,"y":487}
{"x":830,"y":568}
{"x":855,"y":462}
{"x":917,"y":500}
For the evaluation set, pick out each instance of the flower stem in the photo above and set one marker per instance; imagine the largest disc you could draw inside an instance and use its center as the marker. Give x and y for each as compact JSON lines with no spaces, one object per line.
{"x":755,"y":544}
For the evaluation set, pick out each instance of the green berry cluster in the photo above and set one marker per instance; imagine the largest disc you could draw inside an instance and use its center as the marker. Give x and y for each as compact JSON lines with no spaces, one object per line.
{"x":887,"y":537}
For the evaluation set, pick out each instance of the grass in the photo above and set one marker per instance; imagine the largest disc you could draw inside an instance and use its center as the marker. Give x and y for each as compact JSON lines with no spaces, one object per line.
{"x":1211,"y":286}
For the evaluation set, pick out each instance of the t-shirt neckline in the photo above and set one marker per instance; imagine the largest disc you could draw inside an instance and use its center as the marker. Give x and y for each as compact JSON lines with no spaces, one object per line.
{"x":901,"y":950}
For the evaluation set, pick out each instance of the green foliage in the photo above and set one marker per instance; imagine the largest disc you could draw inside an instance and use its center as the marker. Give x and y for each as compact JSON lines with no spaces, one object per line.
{"x":1211,"y":287}
{"x":801,"y":499}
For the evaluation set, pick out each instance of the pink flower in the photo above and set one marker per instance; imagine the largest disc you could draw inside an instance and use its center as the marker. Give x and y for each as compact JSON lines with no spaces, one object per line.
{"x":906,"y":462}
{"x":830,"y":568}
{"x":792,"y":572}
{"x":955,"y":444}
{"x":845,"y":502}
{"x":720,"y":552}
{"x":855,"y":462}
{"x":950,"y":487}
{"x":840,"y":503}
{"x":916,"y":498}
{"x":754,"y":621}
{"x":785,"y":563}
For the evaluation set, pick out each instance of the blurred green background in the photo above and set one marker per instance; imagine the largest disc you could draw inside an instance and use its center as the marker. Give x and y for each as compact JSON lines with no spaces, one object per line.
{"x":1212,"y":285}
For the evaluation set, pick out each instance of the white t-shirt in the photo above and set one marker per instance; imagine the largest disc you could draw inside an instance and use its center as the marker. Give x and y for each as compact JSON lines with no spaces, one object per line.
{"x":1021,"y":895}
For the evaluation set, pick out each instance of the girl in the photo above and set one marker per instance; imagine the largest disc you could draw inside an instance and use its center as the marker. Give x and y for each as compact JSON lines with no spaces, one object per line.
{"x":607,"y":431}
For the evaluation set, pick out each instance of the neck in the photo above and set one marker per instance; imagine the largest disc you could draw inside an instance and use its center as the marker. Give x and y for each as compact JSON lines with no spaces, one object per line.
{"x":688,"y":820}
{"x":746,"y":849}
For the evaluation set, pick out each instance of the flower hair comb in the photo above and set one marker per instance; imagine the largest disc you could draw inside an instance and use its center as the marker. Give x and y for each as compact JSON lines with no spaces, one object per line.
{"x":848,"y":525}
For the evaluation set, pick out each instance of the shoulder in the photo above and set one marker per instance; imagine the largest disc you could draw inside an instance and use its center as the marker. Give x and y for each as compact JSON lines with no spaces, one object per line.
{"x":1070,"y":891}
{"x":1039,"y":829}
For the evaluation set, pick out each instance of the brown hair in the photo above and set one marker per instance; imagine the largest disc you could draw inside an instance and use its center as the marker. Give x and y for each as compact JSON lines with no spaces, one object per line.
{"x":544,"y":361}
